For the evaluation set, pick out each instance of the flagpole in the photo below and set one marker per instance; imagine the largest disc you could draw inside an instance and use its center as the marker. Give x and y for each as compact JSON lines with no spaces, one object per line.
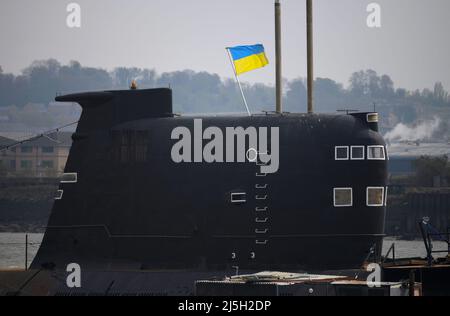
{"x":310,"y":55}
{"x":239,"y":83}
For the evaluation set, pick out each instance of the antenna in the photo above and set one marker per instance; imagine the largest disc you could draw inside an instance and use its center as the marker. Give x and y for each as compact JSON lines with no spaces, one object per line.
{"x":278,"y":66}
{"x":310,"y":49}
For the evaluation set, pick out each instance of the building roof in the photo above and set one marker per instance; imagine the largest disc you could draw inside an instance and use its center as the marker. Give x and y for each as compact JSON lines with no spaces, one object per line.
{"x":6,"y":141}
{"x":59,"y":139}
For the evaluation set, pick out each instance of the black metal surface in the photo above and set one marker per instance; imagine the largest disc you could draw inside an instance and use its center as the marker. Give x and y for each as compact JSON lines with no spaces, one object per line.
{"x":145,"y":212}
{"x":435,"y":280}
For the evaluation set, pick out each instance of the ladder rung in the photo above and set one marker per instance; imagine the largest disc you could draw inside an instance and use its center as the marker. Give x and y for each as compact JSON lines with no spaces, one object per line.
{"x":262,"y":209}
{"x":59,"y":195}
{"x":259,"y":220}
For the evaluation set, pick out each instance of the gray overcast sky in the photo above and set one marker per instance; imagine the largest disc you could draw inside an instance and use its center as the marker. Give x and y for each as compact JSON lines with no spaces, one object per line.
{"x":412,"y":46}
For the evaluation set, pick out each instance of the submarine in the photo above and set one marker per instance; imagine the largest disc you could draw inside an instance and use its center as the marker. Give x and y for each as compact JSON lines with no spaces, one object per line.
{"x":152,"y":201}
{"x":124,"y":204}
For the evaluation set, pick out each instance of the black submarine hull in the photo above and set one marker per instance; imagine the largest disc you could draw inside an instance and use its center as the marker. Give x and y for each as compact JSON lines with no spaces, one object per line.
{"x":132,"y":208}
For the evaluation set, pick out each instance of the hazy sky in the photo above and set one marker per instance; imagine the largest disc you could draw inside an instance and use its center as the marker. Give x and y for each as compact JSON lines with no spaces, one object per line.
{"x":412,"y":45}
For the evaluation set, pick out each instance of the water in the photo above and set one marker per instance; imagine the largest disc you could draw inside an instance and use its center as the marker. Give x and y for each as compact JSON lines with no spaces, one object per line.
{"x":12,"y":248}
{"x":414,"y":248}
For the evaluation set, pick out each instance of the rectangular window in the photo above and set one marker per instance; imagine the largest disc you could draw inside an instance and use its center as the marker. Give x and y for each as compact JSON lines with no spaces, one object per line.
{"x":69,"y":178}
{"x":376,"y":153}
{"x":47,"y":164}
{"x":375,"y":196}
{"x":238,"y":197}
{"x":48,"y":150}
{"x":341,"y":153}
{"x":26,"y":164}
{"x":12,"y":165}
{"x":358,"y":153}
{"x":343,"y":197}
{"x":26,"y":149}
{"x":373,"y":118}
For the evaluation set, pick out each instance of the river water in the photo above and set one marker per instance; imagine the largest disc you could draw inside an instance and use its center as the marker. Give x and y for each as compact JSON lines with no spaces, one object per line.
{"x":12,"y":248}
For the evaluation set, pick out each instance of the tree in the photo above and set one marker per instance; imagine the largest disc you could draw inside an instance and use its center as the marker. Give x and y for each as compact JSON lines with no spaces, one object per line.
{"x":373,"y":83}
{"x":427,"y":96}
{"x":365,"y":83}
{"x":358,"y":84}
{"x":386,"y":86}
{"x":328,"y":95}
{"x":122,"y":77}
{"x":439,"y":94}
{"x":401,"y":93}
{"x":296,"y":96}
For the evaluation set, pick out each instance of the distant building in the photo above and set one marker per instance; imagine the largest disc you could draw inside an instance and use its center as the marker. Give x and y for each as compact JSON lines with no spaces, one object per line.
{"x":43,"y":157}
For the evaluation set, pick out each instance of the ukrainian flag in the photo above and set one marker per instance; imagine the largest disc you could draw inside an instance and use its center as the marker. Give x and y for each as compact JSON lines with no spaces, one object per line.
{"x":247,"y":58}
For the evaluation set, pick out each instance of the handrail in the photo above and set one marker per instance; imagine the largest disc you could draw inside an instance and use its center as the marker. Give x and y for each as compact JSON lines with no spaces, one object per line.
{"x":36,"y":137}
{"x":391,"y":249}
{"x":427,"y":236}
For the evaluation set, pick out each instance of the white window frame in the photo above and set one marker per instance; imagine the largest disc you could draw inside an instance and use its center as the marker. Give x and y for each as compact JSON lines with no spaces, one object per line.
{"x":386,"y":196}
{"x":70,"y":174}
{"x":336,"y":153}
{"x":340,"y":189}
{"x":383,"y":195}
{"x":373,"y":114}
{"x":364,"y":152}
{"x":376,"y":146}
{"x":59,"y":195}
{"x":242,"y":195}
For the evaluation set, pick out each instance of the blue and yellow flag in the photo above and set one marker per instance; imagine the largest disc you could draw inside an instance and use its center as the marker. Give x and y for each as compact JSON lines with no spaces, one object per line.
{"x":247,"y":58}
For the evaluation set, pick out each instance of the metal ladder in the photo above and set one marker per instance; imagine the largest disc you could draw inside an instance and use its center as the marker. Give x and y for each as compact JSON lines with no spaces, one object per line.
{"x":262,"y":218}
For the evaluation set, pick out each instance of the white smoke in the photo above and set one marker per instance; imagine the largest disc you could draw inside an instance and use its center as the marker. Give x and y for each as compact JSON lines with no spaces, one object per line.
{"x":420,"y":132}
